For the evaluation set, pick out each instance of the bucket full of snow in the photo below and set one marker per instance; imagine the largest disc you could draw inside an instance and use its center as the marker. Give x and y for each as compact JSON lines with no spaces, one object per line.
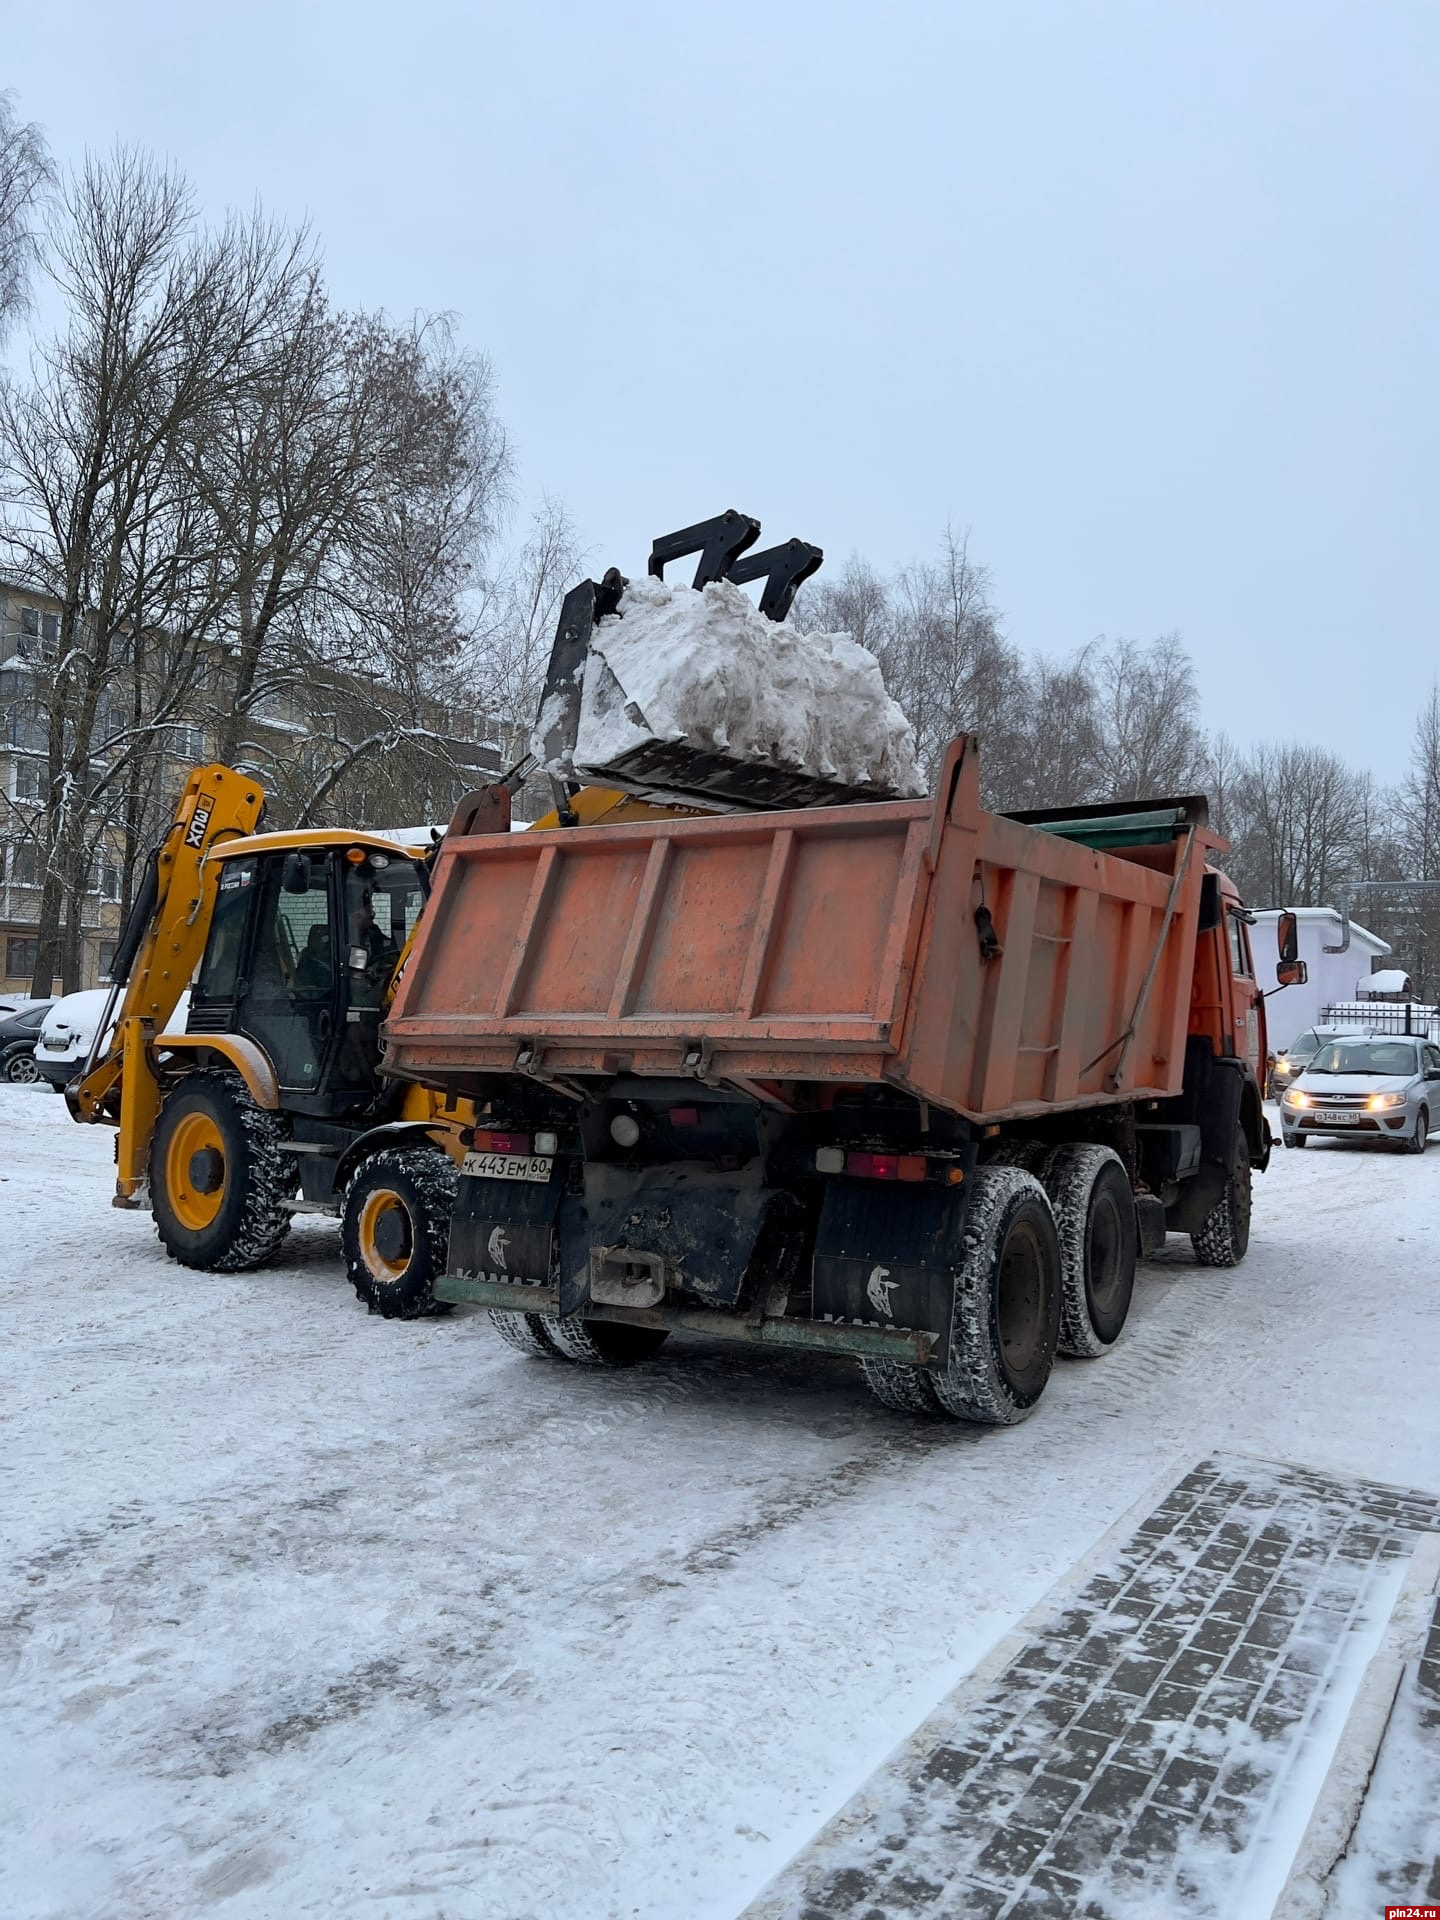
{"x":694,"y":696}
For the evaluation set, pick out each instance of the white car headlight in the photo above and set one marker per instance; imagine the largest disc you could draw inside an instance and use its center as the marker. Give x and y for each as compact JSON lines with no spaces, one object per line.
{"x":1294,"y":1098}
{"x":1379,"y":1101}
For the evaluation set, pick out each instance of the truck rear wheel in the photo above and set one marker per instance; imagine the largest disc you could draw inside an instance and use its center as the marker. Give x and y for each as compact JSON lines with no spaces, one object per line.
{"x":219,"y":1176}
{"x":395,"y":1230}
{"x":1006,"y":1318}
{"x":1225,"y":1232}
{"x":526,"y":1333}
{"x":902,"y":1388}
{"x":1095,"y":1223}
{"x":602,"y":1343}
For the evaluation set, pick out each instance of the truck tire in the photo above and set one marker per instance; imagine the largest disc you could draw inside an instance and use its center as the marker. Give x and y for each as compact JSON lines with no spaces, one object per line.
{"x":602,"y":1343}
{"x":902,"y":1388}
{"x":1006,"y":1317}
{"x":395,"y":1229}
{"x":1095,"y":1223}
{"x":1420,"y":1139}
{"x":1225,"y":1232}
{"x":219,"y":1177}
{"x":525,"y":1332}
{"x":1019,"y":1152}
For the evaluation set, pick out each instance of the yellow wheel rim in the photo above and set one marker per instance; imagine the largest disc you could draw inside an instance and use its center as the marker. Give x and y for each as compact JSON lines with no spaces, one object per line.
{"x":195,"y":1171}
{"x":385,"y":1221}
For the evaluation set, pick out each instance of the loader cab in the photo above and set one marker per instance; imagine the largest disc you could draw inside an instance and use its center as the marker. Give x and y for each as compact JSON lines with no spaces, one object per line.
{"x":303,"y":944}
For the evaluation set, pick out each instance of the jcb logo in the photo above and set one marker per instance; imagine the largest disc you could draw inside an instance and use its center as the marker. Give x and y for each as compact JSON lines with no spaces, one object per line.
{"x":199,"y":821}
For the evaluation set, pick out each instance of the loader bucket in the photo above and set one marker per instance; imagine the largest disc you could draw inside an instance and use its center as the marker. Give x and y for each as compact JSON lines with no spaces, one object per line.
{"x":662,"y":768}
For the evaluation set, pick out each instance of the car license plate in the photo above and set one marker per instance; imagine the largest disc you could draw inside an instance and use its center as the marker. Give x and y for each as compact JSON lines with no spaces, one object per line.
{"x":1337,"y":1117}
{"x":509,"y":1166}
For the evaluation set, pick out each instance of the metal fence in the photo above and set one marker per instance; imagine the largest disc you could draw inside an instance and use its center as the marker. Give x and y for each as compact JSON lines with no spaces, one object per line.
{"x":1384,"y":1016}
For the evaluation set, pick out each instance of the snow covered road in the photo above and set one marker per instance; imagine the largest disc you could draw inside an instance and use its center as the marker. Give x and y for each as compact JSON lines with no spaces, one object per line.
{"x":309,"y":1613}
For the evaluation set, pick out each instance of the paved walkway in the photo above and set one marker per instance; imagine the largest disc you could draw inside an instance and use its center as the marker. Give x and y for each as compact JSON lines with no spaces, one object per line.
{"x":1155,"y":1745}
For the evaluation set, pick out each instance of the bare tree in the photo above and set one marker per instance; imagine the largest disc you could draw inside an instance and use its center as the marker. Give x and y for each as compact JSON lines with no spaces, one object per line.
{"x":951,"y":669}
{"x":25,"y":176}
{"x":357,"y":493}
{"x":1150,"y":739}
{"x":515,"y":627}
{"x":161,"y":320}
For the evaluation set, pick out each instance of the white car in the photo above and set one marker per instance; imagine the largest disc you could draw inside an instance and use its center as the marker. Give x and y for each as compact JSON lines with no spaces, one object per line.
{"x":69,"y":1031}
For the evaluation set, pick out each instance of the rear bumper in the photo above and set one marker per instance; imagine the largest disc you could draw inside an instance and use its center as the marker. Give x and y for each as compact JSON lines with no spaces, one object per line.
{"x":58,"y":1072}
{"x":817,"y":1336}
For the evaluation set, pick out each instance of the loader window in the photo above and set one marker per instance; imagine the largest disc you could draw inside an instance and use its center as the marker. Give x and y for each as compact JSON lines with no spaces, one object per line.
{"x":220,"y":968}
{"x":290,"y":1006}
{"x":382,"y":901}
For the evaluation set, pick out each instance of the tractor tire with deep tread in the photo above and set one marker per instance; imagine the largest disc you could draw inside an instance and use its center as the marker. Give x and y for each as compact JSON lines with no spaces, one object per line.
{"x":1225,"y":1233}
{"x":526,"y":1333}
{"x":395,"y":1230}
{"x":602,"y":1343}
{"x":219,"y":1177}
{"x":1095,"y":1222}
{"x":902,"y":1388}
{"x":1006,"y":1317}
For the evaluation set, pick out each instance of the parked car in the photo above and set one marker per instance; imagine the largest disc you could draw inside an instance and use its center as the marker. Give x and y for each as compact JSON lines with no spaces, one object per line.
{"x":1290,"y":1062}
{"x":19,"y":1032}
{"x":1373,"y":1086}
{"x":69,"y":1031}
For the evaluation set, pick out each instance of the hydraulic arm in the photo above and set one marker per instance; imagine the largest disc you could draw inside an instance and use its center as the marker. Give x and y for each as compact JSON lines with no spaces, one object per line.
{"x":159,"y":950}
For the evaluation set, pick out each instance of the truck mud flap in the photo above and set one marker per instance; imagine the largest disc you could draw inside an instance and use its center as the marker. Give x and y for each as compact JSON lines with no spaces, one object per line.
{"x":504,"y":1230}
{"x":886,"y":1256}
{"x":704,"y":1227}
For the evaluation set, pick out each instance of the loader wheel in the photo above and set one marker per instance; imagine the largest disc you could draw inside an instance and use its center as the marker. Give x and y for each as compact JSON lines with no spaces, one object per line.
{"x":395,"y":1230}
{"x":1006,"y":1318}
{"x":1095,"y":1221}
{"x":1225,"y":1232}
{"x":602,"y":1343}
{"x":219,"y":1177}
{"x":526,"y":1333}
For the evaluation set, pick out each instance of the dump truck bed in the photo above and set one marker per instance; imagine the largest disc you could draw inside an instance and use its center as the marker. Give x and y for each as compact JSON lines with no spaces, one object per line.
{"x":843,"y":945}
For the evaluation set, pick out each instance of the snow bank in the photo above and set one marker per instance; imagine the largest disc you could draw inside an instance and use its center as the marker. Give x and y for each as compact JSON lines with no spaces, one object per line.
{"x":707,"y":668}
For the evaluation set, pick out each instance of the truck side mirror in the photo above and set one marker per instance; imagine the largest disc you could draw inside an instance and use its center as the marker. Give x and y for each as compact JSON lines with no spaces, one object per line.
{"x":1211,"y":911}
{"x":1292,"y":973}
{"x":1287,"y":933}
{"x":295,"y":874}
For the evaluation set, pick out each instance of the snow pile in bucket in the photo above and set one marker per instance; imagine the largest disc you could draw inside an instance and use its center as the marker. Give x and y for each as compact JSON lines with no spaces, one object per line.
{"x":709,"y":669}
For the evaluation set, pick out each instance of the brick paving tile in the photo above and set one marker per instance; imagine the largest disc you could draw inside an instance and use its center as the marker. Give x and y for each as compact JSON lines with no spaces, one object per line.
{"x":1159,"y":1709}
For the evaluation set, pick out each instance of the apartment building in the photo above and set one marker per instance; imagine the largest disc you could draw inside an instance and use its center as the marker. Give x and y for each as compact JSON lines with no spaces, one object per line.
{"x":292,"y":736}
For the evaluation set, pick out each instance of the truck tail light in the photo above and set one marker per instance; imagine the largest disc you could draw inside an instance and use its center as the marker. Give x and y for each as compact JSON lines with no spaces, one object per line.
{"x":684,"y":1116}
{"x":501,"y":1142}
{"x":887,"y":1166}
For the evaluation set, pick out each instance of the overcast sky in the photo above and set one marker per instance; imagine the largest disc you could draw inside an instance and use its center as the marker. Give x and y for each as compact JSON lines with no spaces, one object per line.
{"x":1144,"y":296}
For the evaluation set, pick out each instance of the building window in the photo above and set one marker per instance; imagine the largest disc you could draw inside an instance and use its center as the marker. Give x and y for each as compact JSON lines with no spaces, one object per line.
{"x":23,"y":865}
{"x":188,"y":743}
{"x":107,"y":958}
{"x":105,"y":875}
{"x":26,"y":780}
{"x":42,"y":627}
{"x":20,"y":957}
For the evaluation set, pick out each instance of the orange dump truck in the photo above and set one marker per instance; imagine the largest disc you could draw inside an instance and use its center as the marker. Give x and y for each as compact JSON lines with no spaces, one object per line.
{"x":906,"y":1080}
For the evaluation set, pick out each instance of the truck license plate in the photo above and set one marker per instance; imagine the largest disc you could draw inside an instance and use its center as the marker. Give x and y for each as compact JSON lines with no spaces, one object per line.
{"x":1336,"y":1117}
{"x":509,"y":1166}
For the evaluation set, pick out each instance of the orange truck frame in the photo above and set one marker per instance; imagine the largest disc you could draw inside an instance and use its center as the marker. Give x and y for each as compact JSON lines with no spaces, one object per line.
{"x":906,"y":1080}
